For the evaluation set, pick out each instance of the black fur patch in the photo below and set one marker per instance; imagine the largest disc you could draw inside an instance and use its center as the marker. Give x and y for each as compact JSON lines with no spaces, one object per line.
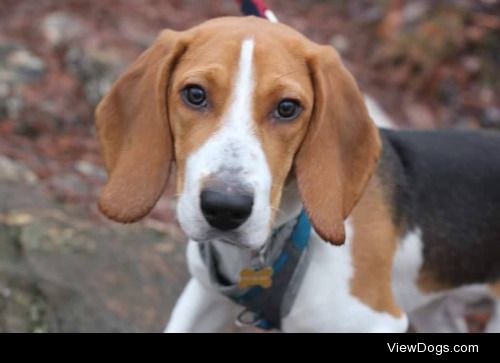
{"x":447,"y":184}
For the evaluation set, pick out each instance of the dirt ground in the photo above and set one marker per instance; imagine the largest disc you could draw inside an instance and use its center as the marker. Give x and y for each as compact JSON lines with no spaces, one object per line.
{"x":63,"y":267}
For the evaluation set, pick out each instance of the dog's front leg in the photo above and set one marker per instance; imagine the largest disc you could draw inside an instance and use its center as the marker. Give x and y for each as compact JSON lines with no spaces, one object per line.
{"x":200,"y":309}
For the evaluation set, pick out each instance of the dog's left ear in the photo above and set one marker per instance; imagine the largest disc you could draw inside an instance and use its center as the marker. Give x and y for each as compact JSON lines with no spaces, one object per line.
{"x":341,"y":147}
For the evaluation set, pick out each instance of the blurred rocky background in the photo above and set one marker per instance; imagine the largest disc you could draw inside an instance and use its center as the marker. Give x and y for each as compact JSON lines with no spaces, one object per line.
{"x":62,"y":266}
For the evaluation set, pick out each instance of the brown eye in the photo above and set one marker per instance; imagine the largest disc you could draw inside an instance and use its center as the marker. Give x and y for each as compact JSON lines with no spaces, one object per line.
{"x":195,"y":96}
{"x":288,"y":110}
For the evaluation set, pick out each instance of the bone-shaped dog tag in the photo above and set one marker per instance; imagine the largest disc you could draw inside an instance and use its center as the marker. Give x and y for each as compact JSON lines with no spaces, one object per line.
{"x":261,"y":278}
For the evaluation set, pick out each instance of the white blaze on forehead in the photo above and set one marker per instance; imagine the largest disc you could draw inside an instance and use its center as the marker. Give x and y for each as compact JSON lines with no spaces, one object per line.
{"x":241,"y":108}
{"x":235,"y":145}
{"x":235,"y":152}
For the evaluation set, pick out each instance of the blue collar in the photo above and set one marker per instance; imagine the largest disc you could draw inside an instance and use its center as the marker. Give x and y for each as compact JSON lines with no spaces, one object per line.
{"x":265,"y":307}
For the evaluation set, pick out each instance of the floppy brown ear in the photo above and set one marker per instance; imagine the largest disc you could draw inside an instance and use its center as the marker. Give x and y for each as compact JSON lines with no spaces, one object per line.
{"x":340,"y":150}
{"x":134,"y":132}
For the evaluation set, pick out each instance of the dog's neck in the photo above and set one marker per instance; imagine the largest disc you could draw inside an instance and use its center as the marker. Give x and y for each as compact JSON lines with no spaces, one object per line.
{"x":232,"y":259}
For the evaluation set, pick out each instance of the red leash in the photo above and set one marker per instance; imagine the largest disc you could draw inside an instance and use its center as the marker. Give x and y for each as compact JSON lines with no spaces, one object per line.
{"x":257,"y":8}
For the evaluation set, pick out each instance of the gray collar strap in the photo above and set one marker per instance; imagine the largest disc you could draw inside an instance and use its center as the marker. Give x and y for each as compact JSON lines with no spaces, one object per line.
{"x":286,"y":254}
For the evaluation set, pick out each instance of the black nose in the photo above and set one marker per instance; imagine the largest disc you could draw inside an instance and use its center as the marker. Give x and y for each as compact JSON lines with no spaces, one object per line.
{"x":226,"y":210}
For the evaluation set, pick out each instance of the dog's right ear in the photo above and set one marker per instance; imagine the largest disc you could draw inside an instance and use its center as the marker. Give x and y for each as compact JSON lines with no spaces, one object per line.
{"x":341,"y":149}
{"x":134,"y":132}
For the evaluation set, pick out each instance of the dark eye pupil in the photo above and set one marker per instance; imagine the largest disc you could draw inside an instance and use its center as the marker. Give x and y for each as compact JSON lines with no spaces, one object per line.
{"x":287,"y":109}
{"x":195,"y":95}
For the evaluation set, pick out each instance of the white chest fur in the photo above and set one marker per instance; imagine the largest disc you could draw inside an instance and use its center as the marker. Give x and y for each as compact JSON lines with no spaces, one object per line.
{"x":324,"y":302}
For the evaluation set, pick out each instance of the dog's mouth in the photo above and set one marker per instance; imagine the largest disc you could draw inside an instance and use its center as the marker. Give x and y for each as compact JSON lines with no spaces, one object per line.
{"x":233,"y":243}
{"x":232,"y":239}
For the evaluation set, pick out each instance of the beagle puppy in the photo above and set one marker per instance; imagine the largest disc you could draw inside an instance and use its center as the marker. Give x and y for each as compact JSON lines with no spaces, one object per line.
{"x":262,"y":123}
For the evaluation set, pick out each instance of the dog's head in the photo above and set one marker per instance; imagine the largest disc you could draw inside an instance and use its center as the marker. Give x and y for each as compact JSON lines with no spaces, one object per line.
{"x":240,"y":105}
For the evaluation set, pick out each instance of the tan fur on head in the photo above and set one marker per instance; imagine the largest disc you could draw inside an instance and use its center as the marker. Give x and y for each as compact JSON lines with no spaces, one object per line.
{"x":340,"y":150}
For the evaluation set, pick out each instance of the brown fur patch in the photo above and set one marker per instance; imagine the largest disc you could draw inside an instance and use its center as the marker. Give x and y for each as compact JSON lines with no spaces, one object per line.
{"x":428,"y":283}
{"x":341,"y":148}
{"x":373,"y":249}
{"x":284,"y":76}
{"x":132,"y":115}
{"x":495,"y":289}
